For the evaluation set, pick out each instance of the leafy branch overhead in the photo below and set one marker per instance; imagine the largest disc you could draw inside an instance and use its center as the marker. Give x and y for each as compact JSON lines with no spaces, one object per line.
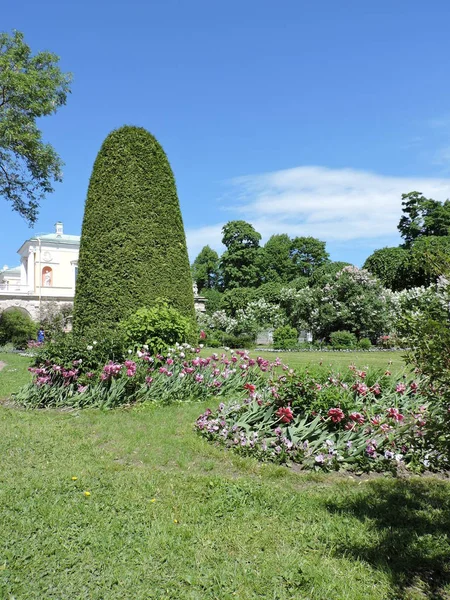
{"x":30,"y":87}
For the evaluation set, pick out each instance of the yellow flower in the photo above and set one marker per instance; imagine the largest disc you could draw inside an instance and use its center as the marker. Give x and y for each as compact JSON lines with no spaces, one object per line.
{"x":153,"y":500}
{"x":175,"y":521}
{"x":74,"y":478}
{"x":87,"y":494}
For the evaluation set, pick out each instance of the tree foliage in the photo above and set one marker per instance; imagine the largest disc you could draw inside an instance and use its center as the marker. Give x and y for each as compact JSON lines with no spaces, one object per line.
{"x":307,"y":254}
{"x":31,"y":87}
{"x":240,"y":263}
{"x":390,"y":265}
{"x":133,"y":246}
{"x":423,"y":217}
{"x":276,"y":259}
{"x":205,"y":269}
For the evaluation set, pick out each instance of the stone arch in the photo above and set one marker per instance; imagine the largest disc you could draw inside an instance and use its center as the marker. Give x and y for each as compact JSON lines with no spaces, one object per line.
{"x":21,"y":309}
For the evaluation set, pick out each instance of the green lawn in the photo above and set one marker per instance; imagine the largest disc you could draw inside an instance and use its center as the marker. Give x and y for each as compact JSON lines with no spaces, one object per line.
{"x":338,"y":360}
{"x":170,"y":516}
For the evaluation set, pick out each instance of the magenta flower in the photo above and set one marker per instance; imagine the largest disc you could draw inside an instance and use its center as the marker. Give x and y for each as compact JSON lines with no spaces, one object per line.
{"x":336,"y":415}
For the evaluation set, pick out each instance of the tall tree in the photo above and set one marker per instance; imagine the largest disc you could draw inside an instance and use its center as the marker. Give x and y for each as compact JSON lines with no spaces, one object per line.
{"x":307,"y":254}
{"x":205,"y":269}
{"x":30,"y":87}
{"x":276,"y":259}
{"x":133,"y":246}
{"x":423,"y":217}
{"x":240,"y":263}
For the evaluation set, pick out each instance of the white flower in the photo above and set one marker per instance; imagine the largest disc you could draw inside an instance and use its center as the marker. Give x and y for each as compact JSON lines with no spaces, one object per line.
{"x":200,"y":345}
{"x":94,"y":342}
{"x":130,"y":351}
{"x":90,"y":347}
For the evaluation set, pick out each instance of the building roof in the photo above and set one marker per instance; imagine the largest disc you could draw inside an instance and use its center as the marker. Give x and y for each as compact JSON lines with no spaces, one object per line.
{"x":11,"y":271}
{"x":63,"y":238}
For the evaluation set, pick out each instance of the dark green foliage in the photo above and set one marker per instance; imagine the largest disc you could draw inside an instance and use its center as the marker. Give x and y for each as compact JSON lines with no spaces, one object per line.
{"x":423,"y":217}
{"x":237,"y":298}
{"x":307,"y":254}
{"x":31,"y":87}
{"x":241,"y":261}
{"x":326,"y":273}
{"x":365,"y":344}
{"x":343,"y":339}
{"x":205,"y":269}
{"x":390,"y":265}
{"x":213,"y":300}
{"x":17,"y":328}
{"x":133,"y":247}
{"x":285,"y":337}
{"x":276,"y":260}
{"x":270,"y":291}
{"x":159,"y":328}
{"x":238,"y":341}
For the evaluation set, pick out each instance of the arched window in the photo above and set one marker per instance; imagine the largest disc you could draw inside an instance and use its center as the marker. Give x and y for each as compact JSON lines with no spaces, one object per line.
{"x":47,"y":277}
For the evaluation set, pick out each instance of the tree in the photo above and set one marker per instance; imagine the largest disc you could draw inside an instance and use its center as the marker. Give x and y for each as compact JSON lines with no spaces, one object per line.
{"x":276,"y":259}
{"x":307,"y":254}
{"x":240,"y":263}
{"x":205,"y":269}
{"x":133,"y":246}
{"x":390,"y":265}
{"x":326,"y":273}
{"x":423,"y":217}
{"x":30,"y":87}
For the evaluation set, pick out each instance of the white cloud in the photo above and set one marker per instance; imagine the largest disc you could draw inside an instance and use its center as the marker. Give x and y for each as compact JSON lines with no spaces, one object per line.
{"x":335,"y":205}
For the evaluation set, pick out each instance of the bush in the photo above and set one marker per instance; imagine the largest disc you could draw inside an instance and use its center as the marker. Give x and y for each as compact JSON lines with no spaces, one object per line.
{"x":133,"y":245}
{"x":238,"y":341}
{"x":86,"y":353}
{"x":158,"y":328}
{"x":342,"y":340}
{"x":54,"y":317}
{"x":285,"y":337}
{"x":16,"y":328}
{"x":365,"y":344}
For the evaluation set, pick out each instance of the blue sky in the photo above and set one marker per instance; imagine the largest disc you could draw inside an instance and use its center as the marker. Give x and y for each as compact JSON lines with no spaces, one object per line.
{"x":309,"y":118}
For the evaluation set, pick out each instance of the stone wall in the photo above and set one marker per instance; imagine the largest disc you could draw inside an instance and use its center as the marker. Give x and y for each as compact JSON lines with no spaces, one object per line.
{"x":30,"y":304}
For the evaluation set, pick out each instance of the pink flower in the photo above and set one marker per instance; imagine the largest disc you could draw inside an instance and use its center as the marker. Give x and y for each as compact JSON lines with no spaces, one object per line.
{"x":285,"y":414}
{"x":361,"y":388}
{"x":336,"y":415}
{"x":148,"y":380}
{"x":202,"y":335}
{"x":393,"y":413}
{"x":413,"y":385}
{"x":357,"y":417}
{"x":250,"y":387}
{"x":169,"y":361}
{"x":400,"y":388}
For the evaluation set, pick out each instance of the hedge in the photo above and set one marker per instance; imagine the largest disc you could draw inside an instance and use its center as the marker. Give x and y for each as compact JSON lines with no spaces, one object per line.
{"x":133,"y":246}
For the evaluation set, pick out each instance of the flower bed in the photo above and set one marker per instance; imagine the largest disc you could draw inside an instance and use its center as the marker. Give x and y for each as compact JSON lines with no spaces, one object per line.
{"x":181,"y":375}
{"x":359,"y":421}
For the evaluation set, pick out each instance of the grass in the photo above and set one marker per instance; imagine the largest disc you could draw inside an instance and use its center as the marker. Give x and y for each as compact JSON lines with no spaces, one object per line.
{"x":170,"y":516}
{"x":339,"y":360}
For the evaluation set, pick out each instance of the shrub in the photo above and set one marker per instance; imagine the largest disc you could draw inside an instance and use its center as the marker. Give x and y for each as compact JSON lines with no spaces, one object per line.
{"x":54,"y":317}
{"x":158,"y":328}
{"x":285,"y":337}
{"x":342,"y":339}
{"x":16,"y":327}
{"x":87,"y":353}
{"x":133,"y":246}
{"x":365,"y":344}
{"x":238,"y":341}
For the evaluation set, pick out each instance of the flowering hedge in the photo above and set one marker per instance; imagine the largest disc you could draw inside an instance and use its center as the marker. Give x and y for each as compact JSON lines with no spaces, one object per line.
{"x":357,"y":421}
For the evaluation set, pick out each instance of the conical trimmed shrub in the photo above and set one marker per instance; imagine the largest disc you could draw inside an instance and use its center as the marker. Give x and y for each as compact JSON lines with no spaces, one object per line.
{"x":133,"y":246}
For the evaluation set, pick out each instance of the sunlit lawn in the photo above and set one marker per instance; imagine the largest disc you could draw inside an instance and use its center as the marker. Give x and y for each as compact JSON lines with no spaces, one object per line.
{"x":170,"y":516}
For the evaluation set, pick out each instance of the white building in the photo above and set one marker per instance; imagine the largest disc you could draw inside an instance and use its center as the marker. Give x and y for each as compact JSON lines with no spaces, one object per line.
{"x":47,"y":273}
